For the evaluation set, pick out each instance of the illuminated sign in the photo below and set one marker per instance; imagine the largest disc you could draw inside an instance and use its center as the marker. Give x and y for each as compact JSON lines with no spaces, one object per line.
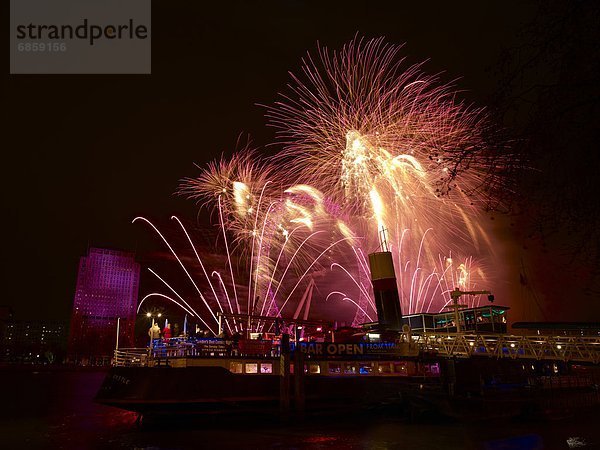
{"x":345,"y":349}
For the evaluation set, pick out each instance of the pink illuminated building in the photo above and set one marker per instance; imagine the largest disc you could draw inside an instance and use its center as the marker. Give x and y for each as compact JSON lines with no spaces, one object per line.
{"x":107,"y":290}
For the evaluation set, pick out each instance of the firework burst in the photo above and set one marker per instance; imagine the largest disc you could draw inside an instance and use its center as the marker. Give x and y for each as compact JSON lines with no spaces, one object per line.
{"x":356,"y":117}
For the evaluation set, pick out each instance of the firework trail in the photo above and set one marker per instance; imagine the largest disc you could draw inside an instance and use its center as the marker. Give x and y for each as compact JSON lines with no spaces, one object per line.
{"x":275,"y":240}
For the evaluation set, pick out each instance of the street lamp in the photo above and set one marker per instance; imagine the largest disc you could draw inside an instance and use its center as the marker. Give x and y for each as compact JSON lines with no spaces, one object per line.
{"x":150,"y":316}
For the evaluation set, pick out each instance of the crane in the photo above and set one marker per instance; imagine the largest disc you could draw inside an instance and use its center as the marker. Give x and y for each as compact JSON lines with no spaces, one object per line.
{"x":456,"y":294}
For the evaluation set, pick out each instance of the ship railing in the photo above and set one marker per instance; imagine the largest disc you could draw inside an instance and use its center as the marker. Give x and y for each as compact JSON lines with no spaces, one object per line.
{"x":211,"y":347}
{"x":131,"y":357}
{"x":561,"y":348}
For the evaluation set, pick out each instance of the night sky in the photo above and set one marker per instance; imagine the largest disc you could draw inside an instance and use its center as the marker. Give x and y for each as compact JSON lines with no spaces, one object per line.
{"x":86,"y":154}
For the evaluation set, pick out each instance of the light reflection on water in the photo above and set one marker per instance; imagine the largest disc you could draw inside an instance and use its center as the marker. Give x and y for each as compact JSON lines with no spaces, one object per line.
{"x":54,"y":409}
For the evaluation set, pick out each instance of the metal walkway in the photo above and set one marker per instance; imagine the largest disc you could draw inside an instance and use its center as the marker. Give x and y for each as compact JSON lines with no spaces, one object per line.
{"x":564,"y":348}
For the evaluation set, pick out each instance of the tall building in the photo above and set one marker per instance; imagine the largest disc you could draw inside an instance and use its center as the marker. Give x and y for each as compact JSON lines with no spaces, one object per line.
{"x":107,"y":290}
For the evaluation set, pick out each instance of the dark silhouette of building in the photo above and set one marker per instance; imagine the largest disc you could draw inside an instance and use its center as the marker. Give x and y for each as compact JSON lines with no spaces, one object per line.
{"x":33,"y":341}
{"x":107,"y":292}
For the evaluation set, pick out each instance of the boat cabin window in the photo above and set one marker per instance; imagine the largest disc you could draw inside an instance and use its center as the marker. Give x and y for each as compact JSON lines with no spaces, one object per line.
{"x":314,"y":368}
{"x":420,"y":322}
{"x":266,"y":368}
{"x":400,"y":368}
{"x":349,"y":368}
{"x":335,"y":368}
{"x":445,"y":322}
{"x":384,"y":367}
{"x":235,"y":367}
{"x":431,"y":370}
{"x":365,"y":368}
{"x":251,"y":368}
{"x":406,"y":368}
{"x":468,"y":321}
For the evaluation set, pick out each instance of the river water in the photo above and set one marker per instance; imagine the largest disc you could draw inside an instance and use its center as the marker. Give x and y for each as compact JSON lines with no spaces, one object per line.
{"x":54,"y":409}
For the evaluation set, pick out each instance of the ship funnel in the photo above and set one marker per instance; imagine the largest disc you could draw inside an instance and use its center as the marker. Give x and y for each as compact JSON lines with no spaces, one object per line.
{"x":387,"y":300}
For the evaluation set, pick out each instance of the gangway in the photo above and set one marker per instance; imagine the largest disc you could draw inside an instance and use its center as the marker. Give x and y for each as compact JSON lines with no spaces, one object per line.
{"x":496,"y":345}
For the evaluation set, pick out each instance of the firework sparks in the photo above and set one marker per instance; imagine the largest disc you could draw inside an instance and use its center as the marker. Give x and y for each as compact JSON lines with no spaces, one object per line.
{"x":392,"y":146}
{"x":375,"y":156}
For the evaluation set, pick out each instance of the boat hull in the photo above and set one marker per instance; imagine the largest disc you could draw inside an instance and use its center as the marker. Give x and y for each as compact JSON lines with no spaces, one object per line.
{"x":217,"y":390}
{"x":471,"y":388}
